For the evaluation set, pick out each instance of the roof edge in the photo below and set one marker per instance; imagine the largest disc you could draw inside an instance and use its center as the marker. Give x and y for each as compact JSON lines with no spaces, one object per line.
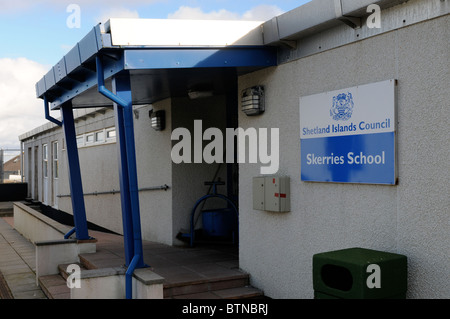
{"x":316,"y":16}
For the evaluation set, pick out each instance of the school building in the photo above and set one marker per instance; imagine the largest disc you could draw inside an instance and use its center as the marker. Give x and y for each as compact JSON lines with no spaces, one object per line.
{"x":343,"y":114}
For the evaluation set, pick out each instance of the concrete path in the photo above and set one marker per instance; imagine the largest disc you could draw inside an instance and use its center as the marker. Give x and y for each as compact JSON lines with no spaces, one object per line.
{"x":17,"y":264}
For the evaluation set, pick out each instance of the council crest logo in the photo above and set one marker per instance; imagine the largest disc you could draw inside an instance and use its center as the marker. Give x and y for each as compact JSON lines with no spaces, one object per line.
{"x":342,"y":108}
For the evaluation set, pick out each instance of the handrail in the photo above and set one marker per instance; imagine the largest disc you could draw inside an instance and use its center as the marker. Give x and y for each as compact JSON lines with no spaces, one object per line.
{"x":115,"y":191}
{"x":204,"y":198}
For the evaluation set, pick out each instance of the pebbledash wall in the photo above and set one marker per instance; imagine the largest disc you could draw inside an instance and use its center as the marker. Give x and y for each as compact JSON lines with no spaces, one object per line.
{"x":411,"y":218}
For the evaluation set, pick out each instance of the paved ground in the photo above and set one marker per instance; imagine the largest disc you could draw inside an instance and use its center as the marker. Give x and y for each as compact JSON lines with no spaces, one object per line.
{"x":17,"y":264}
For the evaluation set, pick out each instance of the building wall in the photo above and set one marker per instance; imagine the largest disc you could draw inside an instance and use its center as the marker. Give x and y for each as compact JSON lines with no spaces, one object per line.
{"x":409,"y":219}
{"x":34,"y":174}
{"x":99,"y":170}
{"x":154,"y":169}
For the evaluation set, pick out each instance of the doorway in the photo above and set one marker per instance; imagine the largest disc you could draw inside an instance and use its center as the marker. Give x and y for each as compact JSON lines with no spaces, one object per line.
{"x":214,"y":221}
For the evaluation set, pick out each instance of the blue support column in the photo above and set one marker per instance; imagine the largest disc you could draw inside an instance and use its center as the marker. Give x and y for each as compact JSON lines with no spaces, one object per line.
{"x":128,"y":171}
{"x":127,"y":221}
{"x":76,"y":186}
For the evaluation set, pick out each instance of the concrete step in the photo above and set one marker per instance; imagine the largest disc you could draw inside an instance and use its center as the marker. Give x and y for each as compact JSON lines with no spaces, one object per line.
{"x":54,"y":287}
{"x":246,"y":292}
{"x":63,"y":269}
{"x":6,"y":209}
{"x":5,"y":292}
{"x":226,"y":287}
{"x":6,"y":213}
{"x":231,"y":287}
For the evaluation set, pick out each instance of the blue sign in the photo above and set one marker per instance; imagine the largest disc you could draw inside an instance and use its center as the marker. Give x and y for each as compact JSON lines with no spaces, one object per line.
{"x":349,"y":136}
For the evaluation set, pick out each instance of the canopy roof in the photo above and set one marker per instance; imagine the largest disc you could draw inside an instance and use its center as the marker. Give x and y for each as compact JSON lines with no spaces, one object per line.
{"x":163,"y":58}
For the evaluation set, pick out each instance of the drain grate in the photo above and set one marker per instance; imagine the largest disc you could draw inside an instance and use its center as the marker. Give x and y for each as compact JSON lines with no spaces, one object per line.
{"x":5,"y":293}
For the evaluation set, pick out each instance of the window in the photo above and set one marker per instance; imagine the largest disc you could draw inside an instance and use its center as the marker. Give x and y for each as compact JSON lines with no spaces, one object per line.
{"x":105,"y":136}
{"x":55,"y":160}
{"x":80,"y":141}
{"x":111,"y":134}
{"x":100,"y":137}
{"x":45,"y":159}
{"x":89,"y":138}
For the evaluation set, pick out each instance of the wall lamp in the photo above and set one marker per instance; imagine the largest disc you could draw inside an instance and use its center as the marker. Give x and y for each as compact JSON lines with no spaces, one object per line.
{"x":158,"y":120}
{"x":253,"y":101}
{"x":193,"y":95}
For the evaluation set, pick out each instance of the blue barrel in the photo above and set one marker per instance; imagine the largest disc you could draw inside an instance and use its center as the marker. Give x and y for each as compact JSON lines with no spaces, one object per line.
{"x":219,"y":222}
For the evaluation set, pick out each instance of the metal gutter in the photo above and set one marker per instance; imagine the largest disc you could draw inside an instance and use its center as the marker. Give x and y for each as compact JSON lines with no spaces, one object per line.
{"x":316,"y":16}
{"x":73,"y":62}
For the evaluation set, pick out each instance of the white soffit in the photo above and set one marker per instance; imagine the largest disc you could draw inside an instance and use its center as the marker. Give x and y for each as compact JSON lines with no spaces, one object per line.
{"x":172,"y":32}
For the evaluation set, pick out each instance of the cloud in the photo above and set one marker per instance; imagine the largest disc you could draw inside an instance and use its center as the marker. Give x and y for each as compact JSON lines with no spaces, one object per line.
{"x":258,"y":13}
{"x":20,"y":110}
{"x":262,"y":13}
{"x":117,"y":12}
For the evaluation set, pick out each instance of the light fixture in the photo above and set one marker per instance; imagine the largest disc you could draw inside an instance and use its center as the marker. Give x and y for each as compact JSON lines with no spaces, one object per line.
{"x":193,"y":95}
{"x":253,"y":101}
{"x":158,"y":120}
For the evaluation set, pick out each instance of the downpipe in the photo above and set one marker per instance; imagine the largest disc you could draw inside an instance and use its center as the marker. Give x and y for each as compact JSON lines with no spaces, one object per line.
{"x":70,"y":233}
{"x":129,"y":277}
{"x":101,"y":85}
{"x":136,"y":260}
{"x":47,"y":113}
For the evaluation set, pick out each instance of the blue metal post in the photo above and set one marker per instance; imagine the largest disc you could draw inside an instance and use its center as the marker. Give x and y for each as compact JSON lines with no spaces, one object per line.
{"x":121,"y":86}
{"x":76,"y":186}
{"x":127,"y":221}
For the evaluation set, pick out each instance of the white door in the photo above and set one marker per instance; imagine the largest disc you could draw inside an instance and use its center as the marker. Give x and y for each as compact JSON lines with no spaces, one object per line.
{"x":45,"y":173}
{"x":55,"y":170}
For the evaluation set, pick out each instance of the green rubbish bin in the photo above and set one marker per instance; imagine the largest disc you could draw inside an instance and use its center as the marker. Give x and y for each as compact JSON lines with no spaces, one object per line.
{"x":358,"y":273}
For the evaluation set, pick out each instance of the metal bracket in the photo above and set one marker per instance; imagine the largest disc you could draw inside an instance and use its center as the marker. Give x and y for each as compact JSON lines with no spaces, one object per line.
{"x":289,"y":43}
{"x":352,"y":22}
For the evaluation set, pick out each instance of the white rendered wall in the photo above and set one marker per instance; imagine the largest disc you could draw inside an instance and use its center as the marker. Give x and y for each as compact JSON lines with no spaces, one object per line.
{"x":154,"y":169}
{"x":410,"y":219}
